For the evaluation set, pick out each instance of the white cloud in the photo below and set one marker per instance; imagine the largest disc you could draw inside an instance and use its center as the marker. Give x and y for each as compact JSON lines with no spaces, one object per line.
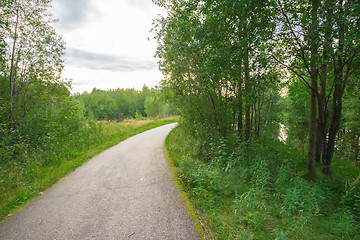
{"x":108,"y":39}
{"x":102,"y":79}
{"x":96,"y":61}
{"x":71,"y":13}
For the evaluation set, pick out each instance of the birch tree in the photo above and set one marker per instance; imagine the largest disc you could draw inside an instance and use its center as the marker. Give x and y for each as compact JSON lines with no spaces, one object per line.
{"x":33,"y":53}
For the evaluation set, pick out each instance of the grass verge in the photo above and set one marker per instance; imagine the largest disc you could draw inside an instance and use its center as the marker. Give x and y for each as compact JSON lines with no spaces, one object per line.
{"x":191,"y":211}
{"x":259,"y":192}
{"x":35,"y":171}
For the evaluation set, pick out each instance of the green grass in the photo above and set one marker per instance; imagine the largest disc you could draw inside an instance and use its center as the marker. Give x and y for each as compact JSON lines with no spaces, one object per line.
{"x":191,"y":211}
{"x":34,"y":171}
{"x":261,"y":191}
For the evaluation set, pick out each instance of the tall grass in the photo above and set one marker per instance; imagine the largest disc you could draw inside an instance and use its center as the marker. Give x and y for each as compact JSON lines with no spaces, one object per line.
{"x":35,"y":170}
{"x":259,"y":191}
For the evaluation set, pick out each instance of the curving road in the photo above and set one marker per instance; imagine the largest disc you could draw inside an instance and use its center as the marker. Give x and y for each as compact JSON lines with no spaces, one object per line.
{"x":125,"y":192}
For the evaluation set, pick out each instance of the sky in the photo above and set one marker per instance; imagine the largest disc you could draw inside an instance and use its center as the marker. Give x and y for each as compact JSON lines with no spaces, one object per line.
{"x":108,"y":43}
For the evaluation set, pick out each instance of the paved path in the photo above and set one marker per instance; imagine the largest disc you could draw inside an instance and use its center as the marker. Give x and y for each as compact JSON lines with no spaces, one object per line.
{"x":124,"y":193}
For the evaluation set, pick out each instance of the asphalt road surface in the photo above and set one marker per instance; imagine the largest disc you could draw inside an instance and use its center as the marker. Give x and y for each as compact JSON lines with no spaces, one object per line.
{"x":125,"y":192}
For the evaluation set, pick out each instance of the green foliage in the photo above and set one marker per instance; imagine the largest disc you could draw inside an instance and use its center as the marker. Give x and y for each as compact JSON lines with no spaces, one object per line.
{"x":349,"y":143}
{"x":297,"y":108}
{"x":351,"y":197}
{"x":138,"y":115}
{"x":155,"y":107}
{"x":113,"y":104}
{"x":47,"y":121}
{"x":36,"y":109}
{"x":262,"y":195}
{"x":225,"y":62}
{"x":119,"y":104}
{"x":201,"y":57}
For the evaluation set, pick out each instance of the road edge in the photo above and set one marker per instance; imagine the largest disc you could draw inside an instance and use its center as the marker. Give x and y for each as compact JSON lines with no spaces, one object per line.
{"x":191,"y":211}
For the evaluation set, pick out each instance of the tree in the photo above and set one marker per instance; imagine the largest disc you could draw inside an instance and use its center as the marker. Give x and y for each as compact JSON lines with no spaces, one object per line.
{"x":346,"y":48}
{"x":35,"y":104}
{"x":117,"y":104}
{"x":307,"y":51}
{"x":4,"y":28}
{"x":215,"y":56}
{"x":210,"y":54}
{"x":33,"y":55}
{"x":350,"y":141}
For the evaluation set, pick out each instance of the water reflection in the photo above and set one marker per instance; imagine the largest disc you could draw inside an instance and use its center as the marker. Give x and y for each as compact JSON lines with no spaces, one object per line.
{"x":283,"y":133}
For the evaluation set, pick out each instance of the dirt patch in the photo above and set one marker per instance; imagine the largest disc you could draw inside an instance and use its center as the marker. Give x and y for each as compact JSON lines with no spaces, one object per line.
{"x":135,"y":123}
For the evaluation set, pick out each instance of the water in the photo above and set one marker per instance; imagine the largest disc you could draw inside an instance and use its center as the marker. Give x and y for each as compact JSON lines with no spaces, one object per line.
{"x":283,"y":133}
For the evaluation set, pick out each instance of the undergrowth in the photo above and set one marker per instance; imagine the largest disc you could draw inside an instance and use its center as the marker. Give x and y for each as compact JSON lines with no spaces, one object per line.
{"x":259,"y":191}
{"x":31,"y":171}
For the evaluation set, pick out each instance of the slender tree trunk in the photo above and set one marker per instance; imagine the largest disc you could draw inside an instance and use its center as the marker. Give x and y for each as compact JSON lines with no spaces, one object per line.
{"x":256,"y":119}
{"x":339,"y":88}
{"x":259,"y":104}
{"x":247,"y":92}
{"x":216,"y":115}
{"x":240,"y":110}
{"x":318,"y":144}
{"x":255,"y":114}
{"x":312,"y":130}
{"x":12,"y":77}
{"x":334,"y":128}
{"x":314,"y":88}
{"x":322,"y":104}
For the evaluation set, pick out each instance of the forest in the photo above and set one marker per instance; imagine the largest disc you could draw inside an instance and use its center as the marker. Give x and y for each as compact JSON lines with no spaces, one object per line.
{"x":268,"y":93}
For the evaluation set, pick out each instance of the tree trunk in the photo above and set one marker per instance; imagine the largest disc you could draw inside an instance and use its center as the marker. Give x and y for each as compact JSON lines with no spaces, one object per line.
{"x":217,"y":119}
{"x":240,"y":115}
{"x":240,"y":108}
{"x":336,"y":114}
{"x":257,"y":113}
{"x":253,"y":117}
{"x":339,"y":83}
{"x":312,"y":129}
{"x":12,"y":77}
{"x":314,"y":88}
{"x":334,"y":128}
{"x":322,"y":104}
{"x":318,"y":144}
{"x":247,"y":91}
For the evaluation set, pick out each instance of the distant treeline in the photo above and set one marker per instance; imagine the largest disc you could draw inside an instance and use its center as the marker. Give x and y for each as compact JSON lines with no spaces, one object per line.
{"x":119,"y":104}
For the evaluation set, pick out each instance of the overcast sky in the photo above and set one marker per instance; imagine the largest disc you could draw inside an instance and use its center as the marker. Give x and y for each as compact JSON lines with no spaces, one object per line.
{"x":107,"y":43}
